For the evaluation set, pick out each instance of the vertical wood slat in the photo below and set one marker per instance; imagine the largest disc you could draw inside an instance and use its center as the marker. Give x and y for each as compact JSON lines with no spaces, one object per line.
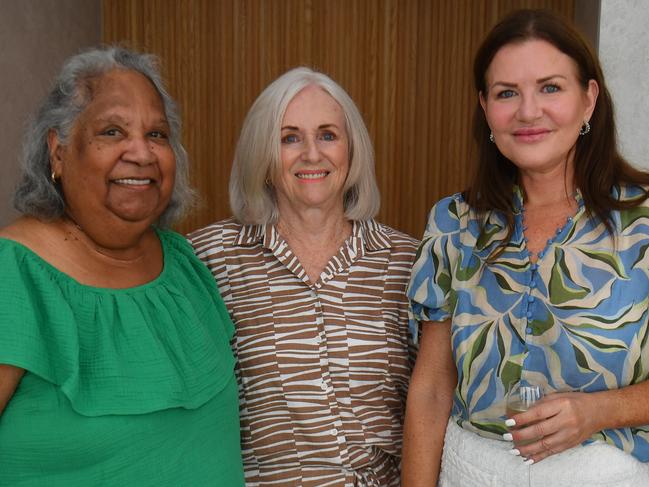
{"x":406,"y":63}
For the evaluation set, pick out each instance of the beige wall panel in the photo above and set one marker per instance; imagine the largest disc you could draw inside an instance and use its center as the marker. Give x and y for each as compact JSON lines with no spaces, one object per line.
{"x":406,"y":63}
{"x":36,"y":37}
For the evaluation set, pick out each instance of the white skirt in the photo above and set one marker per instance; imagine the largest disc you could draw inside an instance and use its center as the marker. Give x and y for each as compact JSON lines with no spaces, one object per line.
{"x":470,"y":460}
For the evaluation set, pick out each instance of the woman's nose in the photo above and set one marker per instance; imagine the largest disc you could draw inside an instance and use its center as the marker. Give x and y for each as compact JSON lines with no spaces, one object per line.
{"x":140,"y":151}
{"x":310,"y":150}
{"x":529,"y":109}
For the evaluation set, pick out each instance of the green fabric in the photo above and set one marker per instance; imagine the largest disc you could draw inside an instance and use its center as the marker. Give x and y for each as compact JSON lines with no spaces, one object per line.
{"x":122,"y":386}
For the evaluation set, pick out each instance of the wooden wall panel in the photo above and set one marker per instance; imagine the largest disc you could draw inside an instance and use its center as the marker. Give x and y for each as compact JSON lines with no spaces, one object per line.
{"x":406,"y":63}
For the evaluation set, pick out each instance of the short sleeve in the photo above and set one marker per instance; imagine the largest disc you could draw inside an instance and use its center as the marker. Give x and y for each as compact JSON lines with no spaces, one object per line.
{"x":430,"y":287}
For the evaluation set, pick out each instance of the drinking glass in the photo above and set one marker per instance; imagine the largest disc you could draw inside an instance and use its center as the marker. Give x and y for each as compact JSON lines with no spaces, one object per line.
{"x":520,"y":397}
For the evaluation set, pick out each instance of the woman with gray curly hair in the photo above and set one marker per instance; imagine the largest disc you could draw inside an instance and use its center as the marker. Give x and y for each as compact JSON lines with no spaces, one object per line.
{"x":115,"y":361}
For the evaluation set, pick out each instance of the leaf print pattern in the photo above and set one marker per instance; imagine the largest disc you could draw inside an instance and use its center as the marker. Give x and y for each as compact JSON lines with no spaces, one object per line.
{"x":577,"y":320}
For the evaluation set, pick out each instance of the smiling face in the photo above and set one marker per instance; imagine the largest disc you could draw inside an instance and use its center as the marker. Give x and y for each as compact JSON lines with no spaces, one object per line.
{"x":535,"y":105}
{"x":314,"y":153}
{"x":118,"y":166}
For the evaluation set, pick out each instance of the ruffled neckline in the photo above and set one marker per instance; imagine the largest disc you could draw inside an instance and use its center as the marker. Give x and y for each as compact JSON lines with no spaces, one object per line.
{"x":159,"y":345}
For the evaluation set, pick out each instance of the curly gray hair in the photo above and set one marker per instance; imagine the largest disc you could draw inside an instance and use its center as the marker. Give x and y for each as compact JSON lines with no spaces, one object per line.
{"x":35,"y":193}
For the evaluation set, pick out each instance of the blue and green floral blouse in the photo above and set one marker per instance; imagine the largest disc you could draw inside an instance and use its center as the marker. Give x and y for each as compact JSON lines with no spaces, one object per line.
{"x":576,"y":320}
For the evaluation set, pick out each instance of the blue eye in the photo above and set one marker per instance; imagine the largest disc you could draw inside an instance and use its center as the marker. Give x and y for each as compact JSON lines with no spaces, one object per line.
{"x":505,"y":94}
{"x":329,"y":136}
{"x":289,"y":139}
{"x":551,"y":89}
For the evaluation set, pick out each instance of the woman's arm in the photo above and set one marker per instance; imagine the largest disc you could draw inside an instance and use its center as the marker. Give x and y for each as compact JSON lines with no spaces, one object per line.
{"x":9,"y":378}
{"x":564,"y":420}
{"x":430,"y":398}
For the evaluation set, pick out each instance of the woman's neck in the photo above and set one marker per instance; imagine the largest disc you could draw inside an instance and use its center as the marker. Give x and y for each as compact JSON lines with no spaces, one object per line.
{"x":314,"y":236}
{"x":314,"y":224}
{"x":548,"y":189}
{"x":112,"y":248}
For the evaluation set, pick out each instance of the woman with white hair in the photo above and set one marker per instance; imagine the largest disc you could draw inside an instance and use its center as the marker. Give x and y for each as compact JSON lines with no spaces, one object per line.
{"x":315,"y":288}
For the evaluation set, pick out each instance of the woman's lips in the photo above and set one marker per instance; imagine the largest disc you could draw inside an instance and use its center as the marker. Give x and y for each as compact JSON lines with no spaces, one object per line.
{"x":530,"y":135}
{"x":312,"y":175}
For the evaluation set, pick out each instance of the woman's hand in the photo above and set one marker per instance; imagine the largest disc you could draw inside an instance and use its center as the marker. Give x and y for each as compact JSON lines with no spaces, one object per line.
{"x":556,"y":423}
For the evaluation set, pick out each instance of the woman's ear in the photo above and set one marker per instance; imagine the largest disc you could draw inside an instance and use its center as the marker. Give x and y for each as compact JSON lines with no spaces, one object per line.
{"x":483,"y":102}
{"x":592,"y":91}
{"x":55,"y":149}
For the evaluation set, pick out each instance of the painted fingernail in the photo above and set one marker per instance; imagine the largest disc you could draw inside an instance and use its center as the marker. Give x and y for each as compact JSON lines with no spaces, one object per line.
{"x":508,"y":437}
{"x":510,"y":422}
{"x":529,"y":461}
{"x":514,"y":452}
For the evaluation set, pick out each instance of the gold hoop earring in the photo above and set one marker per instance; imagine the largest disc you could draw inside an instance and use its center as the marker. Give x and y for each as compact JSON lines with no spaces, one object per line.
{"x":53,"y":177}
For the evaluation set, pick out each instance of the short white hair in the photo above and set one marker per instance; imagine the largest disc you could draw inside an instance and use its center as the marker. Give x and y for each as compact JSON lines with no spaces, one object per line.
{"x":257,"y":154}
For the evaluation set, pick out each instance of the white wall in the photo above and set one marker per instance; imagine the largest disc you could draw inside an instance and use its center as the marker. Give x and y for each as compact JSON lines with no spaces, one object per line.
{"x":36,"y":36}
{"x":624,"y":53}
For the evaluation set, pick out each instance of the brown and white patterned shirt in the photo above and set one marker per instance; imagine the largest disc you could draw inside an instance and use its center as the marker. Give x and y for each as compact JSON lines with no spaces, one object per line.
{"x":323,"y":368}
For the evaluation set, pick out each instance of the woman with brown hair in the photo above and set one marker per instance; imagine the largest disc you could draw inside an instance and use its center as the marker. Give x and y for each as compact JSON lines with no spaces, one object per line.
{"x":535,"y":277}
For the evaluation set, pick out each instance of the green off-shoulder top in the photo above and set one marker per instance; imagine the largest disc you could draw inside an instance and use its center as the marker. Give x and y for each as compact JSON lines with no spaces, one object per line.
{"x":122,"y":386}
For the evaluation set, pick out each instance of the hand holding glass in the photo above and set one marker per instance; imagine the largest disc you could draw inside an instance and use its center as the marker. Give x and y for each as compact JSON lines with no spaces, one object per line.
{"x":521,"y":397}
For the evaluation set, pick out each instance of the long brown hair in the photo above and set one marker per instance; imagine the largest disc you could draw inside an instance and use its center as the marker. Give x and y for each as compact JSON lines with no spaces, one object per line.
{"x":598,"y":164}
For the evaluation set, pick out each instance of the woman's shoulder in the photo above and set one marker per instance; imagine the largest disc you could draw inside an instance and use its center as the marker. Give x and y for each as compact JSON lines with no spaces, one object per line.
{"x":221,"y":233}
{"x":28,"y":232}
{"x":396,"y":237}
{"x":449,"y":215}
{"x":630,"y":192}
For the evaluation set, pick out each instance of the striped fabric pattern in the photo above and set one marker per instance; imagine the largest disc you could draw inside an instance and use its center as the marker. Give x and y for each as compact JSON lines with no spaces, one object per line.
{"x":323,"y":367}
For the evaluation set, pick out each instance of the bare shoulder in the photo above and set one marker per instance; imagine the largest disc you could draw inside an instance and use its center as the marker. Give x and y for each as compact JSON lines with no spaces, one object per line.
{"x":27,"y":231}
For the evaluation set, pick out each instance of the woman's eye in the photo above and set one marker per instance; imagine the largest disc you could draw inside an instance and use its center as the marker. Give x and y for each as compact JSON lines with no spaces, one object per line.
{"x":157,"y":134}
{"x":505,"y":94}
{"x":328,"y":136}
{"x":550,"y":88}
{"x":289,"y":139}
{"x":111,"y":132}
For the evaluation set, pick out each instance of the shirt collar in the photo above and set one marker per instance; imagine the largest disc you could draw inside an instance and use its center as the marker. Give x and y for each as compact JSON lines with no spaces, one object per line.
{"x":518,"y":203}
{"x":372,"y":235}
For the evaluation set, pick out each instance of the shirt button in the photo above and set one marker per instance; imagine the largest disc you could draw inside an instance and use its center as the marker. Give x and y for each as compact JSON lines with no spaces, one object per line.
{"x":528,"y":330}
{"x":530,"y":299}
{"x":532,"y":283}
{"x":334,"y":432}
{"x":529,"y":315}
{"x":324,"y":386}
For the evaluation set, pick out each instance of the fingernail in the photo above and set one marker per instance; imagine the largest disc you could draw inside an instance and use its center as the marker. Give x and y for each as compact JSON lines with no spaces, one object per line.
{"x":510,"y":422}
{"x":514,"y":451}
{"x":529,"y":461}
{"x":508,"y":437}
